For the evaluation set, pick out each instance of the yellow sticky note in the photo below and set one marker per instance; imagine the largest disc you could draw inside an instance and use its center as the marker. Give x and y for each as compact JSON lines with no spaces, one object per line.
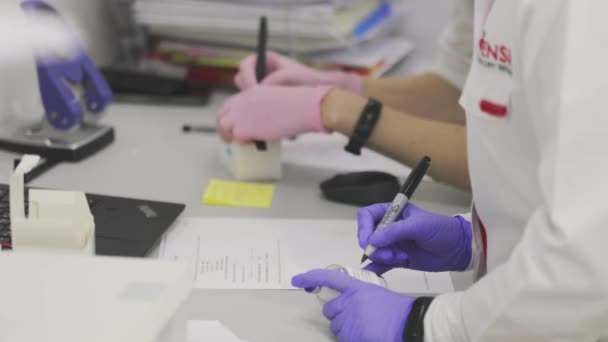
{"x":238,"y":194}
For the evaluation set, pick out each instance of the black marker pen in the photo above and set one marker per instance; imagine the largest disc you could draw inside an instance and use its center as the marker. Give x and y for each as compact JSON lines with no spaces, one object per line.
{"x":260,"y":69}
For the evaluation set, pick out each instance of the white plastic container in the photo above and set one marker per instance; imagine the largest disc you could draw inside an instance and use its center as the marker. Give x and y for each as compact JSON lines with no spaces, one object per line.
{"x":58,"y":221}
{"x":326,"y":294}
{"x":247,"y":163}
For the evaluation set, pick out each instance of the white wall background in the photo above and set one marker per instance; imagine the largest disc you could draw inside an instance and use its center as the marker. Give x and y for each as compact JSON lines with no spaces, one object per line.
{"x":425,"y":21}
{"x":91,"y":17}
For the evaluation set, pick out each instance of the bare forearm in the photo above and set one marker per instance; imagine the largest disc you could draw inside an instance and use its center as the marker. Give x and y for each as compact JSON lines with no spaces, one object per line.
{"x":404,"y":137}
{"x":428,"y":96}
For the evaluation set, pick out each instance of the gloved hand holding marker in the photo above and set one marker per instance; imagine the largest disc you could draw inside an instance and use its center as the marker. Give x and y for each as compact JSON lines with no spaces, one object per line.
{"x":401,"y":200}
{"x":402,"y":235}
{"x":281,"y":93}
{"x":417,"y":240}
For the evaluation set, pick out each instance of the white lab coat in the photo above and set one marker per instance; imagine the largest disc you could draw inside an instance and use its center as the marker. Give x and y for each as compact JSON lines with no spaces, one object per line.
{"x":537,"y":125}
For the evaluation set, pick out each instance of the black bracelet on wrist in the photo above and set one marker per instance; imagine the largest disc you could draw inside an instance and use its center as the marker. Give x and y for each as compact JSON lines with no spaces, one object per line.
{"x":366,"y":124}
{"x":414,"y":327}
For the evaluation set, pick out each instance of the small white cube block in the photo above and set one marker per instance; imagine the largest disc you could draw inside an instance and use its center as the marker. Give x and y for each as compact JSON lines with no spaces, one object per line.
{"x":247,"y":163}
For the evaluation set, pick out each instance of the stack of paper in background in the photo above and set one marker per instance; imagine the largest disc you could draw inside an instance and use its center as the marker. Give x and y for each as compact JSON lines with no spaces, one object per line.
{"x":210,"y":37}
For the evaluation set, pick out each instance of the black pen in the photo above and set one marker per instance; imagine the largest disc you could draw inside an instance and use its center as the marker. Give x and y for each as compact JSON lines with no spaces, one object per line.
{"x":260,"y":68}
{"x":401,"y":200}
{"x":198,"y":129}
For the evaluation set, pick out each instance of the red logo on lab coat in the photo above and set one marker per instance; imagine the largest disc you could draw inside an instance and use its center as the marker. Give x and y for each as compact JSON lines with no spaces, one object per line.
{"x":496,"y":52}
{"x":494,"y":55}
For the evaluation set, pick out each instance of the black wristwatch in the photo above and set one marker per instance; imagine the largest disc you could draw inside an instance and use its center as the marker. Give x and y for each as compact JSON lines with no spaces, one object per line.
{"x":366,"y":124}
{"x":414,"y":327}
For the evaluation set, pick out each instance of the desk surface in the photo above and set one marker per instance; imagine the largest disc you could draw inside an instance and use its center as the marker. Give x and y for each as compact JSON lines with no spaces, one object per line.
{"x":151,"y":158}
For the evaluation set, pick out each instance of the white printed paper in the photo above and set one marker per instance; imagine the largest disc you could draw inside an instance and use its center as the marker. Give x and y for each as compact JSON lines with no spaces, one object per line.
{"x":227,"y":253}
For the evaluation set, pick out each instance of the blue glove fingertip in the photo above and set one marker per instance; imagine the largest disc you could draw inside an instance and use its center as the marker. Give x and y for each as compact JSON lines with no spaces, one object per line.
{"x":298,"y":280}
{"x":310,"y":279}
{"x":365,"y":225}
{"x":391,"y":234}
{"x":383,"y":256}
{"x":378,"y":239}
{"x":363,"y":242}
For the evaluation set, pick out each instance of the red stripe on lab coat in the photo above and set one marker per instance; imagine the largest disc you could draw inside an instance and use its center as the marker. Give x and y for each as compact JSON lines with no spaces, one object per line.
{"x":493,"y":108}
{"x":480,"y":237}
{"x":484,"y":236}
{"x":484,"y":240}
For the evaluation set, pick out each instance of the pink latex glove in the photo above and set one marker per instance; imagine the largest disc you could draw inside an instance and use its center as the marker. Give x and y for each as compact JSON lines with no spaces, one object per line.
{"x":284,"y":71}
{"x":266,"y":112}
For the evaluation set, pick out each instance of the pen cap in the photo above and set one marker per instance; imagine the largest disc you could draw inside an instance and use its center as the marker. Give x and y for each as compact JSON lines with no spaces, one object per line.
{"x":325,"y":294}
{"x":415,"y":177}
{"x":260,"y":69}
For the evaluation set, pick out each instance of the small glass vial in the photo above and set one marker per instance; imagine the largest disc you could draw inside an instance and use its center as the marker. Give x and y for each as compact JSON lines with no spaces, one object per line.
{"x":326,"y":294}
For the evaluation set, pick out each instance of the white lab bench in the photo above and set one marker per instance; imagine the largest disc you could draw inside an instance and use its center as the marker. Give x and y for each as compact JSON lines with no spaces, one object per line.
{"x":151,"y":158}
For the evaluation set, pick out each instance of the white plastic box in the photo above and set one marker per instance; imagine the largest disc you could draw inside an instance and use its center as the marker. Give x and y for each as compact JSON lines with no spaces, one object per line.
{"x":74,"y":298}
{"x":58,"y":221}
{"x":247,"y":163}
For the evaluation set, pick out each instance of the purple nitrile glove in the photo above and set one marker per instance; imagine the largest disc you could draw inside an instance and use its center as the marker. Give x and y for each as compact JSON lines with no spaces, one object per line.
{"x":287,"y":72}
{"x":364,"y":311}
{"x":417,"y":240}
